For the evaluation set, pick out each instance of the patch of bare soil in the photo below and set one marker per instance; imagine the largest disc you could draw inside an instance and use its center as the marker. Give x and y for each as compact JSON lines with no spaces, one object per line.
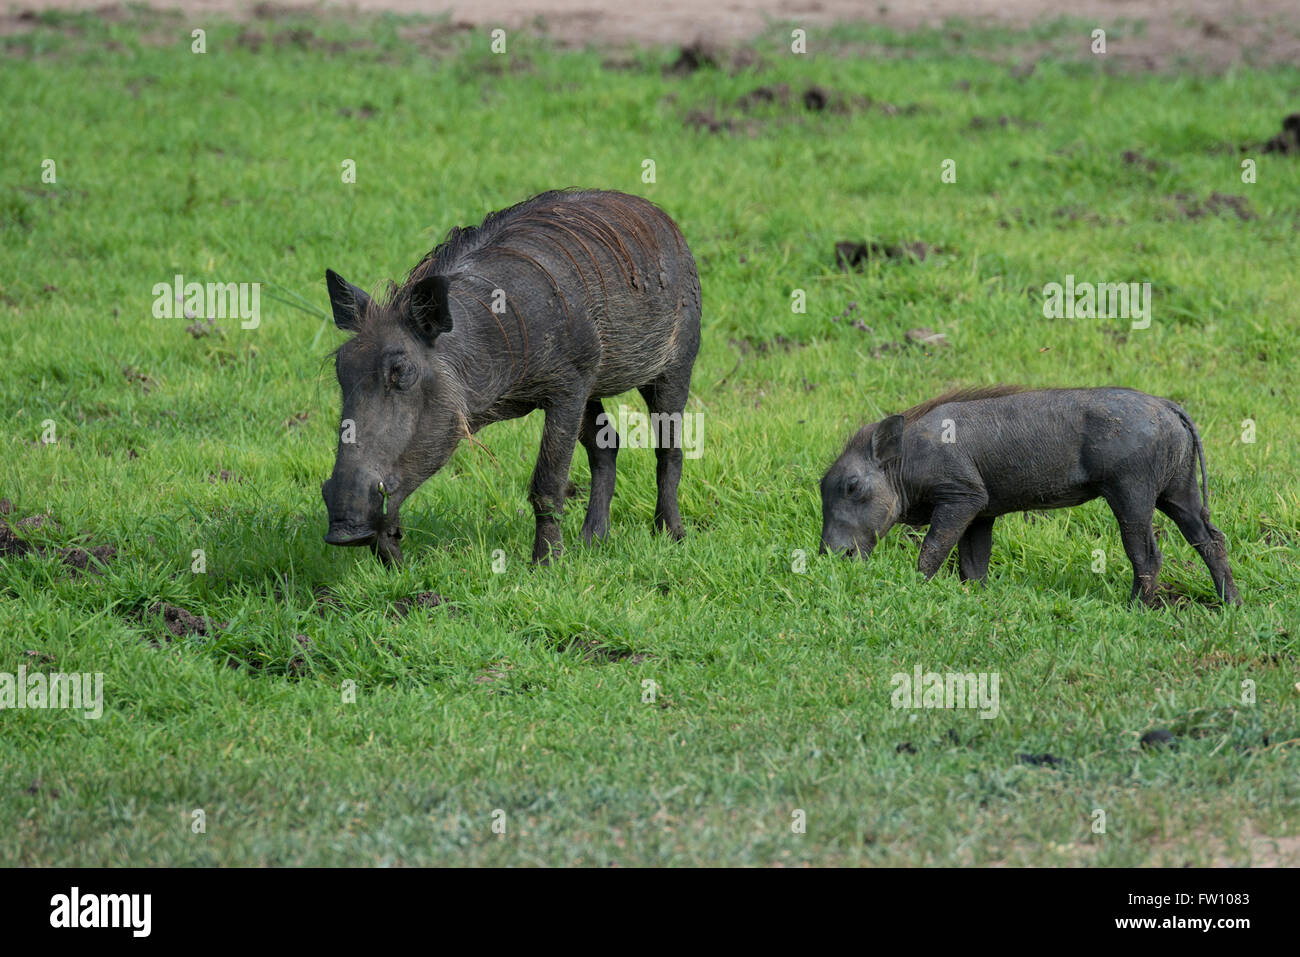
{"x":15,"y":542}
{"x":855,"y":255}
{"x":178,"y":622}
{"x":1002,"y":122}
{"x":81,"y":560}
{"x":298,"y":664}
{"x":1287,"y":141}
{"x":425,"y":601}
{"x":1209,"y":35}
{"x":764,"y":346}
{"x":779,"y":104}
{"x":1216,"y":204}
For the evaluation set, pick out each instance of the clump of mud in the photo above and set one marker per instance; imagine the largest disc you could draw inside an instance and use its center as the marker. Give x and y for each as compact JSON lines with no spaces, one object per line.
{"x":1002,"y":122}
{"x":425,"y":600}
{"x":705,"y":119}
{"x":814,"y":99}
{"x":694,"y":56}
{"x":854,"y":255}
{"x":1137,"y":159}
{"x":298,"y":664}
{"x":777,"y":343}
{"x":205,"y":327}
{"x":1043,"y":760}
{"x":178,"y":622}
{"x":749,"y":109}
{"x":854,"y":320}
{"x":594,"y":652}
{"x":1218,"y":204}
{"x":1288,"y":141}
{"x":15,"y":543}
{"x":81,"y":560}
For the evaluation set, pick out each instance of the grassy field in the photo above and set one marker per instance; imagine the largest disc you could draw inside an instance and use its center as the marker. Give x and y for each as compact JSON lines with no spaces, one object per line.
{"x":322,"y":715}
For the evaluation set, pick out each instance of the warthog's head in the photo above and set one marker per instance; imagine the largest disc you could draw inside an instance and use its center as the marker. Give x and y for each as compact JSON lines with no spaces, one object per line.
{"x":860,"y":497}
{"x":403,"y":410}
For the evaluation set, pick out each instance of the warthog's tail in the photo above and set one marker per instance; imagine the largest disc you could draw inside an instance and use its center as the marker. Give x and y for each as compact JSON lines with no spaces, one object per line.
{"x":1200,"y":453}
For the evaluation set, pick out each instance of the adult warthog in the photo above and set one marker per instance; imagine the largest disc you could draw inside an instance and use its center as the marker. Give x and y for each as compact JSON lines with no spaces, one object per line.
{"x":553,"y":304}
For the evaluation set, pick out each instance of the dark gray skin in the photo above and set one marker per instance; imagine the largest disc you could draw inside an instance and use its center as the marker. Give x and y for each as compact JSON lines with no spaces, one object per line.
{"x":553,"y":304}
{"x":1014,"y":450}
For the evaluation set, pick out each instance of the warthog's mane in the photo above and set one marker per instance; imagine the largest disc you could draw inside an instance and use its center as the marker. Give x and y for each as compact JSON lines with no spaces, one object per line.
{"x":861,"y":441}
{"x":587,"y":230}
{"x":604,"y":237}
{"x":579,"y":224}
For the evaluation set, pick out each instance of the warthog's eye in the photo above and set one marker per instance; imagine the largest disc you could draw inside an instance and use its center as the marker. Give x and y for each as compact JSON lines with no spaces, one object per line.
{"x":852,"y":486}
{"x":400,"y":374}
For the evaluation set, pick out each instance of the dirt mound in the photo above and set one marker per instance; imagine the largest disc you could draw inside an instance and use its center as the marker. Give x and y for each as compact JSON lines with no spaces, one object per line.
{"x":78,"y":559}
{"x":425,"y":600}
{"x":82,"y":560}
{"x":179,"y":622}
{"x":698,"y":55}
{"x":1288,"y":141}
{"x":854,"y":255}
{"x":1218,"y":204}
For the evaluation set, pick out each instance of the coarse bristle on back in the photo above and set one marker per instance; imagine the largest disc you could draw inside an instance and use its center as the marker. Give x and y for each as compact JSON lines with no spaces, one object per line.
{"x":579,"y":223}
{"x":861,"y":440}
{"x":962,"y":394}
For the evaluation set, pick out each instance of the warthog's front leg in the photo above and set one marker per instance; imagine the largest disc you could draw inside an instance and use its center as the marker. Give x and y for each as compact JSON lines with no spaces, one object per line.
{"x":551,"y":476}
{"x":385,"y":545}
{"x":601,"y":442}
{"x":974,"y":549}
{"x":948,"y":523}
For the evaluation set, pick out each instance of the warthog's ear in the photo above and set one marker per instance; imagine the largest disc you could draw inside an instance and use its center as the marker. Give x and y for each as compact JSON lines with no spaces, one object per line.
{"x":348,"y":302}
{"x":430,"y":309}
{"x":887,"y":440}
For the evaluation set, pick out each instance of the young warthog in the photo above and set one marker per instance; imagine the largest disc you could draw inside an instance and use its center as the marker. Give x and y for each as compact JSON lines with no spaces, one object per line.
{"x":552,"y":304}
{"x":960,"y":460}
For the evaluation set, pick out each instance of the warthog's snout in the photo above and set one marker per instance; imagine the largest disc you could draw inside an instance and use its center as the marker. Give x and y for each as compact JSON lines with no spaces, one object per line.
{"x":834,"y":544}
{"x":843,"y":544}
{"x":851,"y":550}
{"x":342,"y":534}
{"x":356,"y":511}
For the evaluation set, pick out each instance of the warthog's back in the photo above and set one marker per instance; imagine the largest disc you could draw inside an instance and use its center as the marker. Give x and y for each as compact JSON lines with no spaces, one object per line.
{"x":589,"y":275}
{"x":1054,"y":447}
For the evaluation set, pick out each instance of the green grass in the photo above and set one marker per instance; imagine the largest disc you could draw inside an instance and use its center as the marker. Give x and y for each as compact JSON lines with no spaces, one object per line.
{"x":773,"y":686}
